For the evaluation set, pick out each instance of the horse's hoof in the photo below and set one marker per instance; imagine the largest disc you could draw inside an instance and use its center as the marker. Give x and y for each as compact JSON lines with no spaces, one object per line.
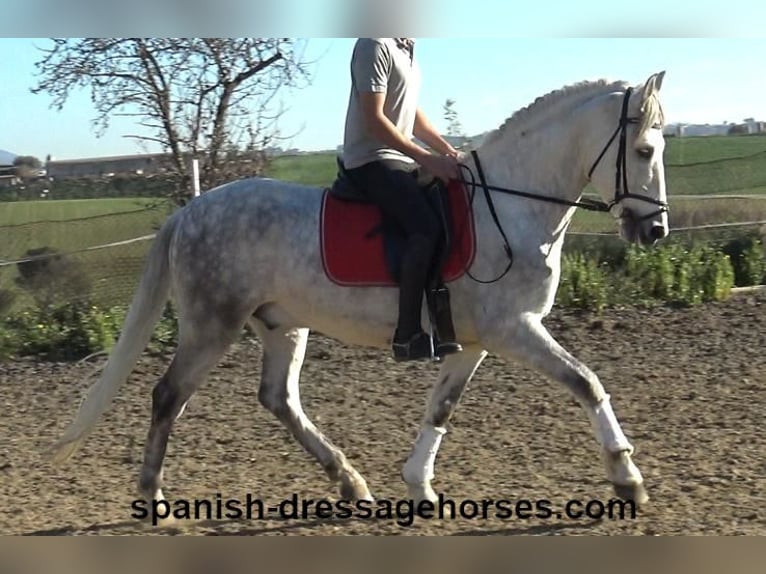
{"x":421,"y":492}
{"x":159,"y":523}
{"x":632,"y":492}
{"x":355,"y":491}
{"x":169,"y":522}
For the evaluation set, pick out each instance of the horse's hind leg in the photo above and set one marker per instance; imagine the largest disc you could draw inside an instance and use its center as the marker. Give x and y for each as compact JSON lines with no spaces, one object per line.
{"x":201,"y":343}
{"x":283,"y":353}
{"x":455,"y":373}
{"x":533,"y":344}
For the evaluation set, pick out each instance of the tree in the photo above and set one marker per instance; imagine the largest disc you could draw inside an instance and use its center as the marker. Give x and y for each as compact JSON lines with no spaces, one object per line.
{"x":454,"y":128}
{"x":26,"y":166}
{"x":204,"y":98}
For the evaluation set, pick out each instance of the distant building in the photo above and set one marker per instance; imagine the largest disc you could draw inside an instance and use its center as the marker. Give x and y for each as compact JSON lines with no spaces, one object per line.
{"x":754,"y":126}
{"x":8,"y":176}
{"x":144,"y":164}
{"x":9,"y":181}
{"x":748,"y":126}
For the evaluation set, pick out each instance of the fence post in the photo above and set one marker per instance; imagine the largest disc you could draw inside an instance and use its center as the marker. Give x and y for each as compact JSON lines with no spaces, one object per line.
{"x":195,"y":176}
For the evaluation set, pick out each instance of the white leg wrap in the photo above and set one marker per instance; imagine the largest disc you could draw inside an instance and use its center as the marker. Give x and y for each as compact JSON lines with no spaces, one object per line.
{"x":607,"y":428}
{"x":419,"y":468}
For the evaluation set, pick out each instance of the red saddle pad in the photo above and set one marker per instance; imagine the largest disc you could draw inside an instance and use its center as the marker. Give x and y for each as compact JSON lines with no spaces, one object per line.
{"x":350,"y":257}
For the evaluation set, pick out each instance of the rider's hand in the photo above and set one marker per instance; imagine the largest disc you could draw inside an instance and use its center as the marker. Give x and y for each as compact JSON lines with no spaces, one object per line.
{"x":452,"y":152}
{"x":442,"y":166}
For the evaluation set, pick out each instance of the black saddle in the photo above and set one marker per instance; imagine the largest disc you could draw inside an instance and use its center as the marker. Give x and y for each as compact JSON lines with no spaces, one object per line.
{"x":344,"y":189}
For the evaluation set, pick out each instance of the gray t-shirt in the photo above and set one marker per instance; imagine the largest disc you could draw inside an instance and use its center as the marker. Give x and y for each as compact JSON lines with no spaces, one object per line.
{"x":380,"y":65}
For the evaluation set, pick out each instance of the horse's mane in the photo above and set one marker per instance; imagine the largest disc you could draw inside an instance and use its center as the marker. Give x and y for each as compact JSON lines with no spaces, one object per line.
{"x":572,"y":94}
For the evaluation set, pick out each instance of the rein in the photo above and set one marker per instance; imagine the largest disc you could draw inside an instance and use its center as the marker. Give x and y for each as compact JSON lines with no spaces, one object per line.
{"x":621,"y":186}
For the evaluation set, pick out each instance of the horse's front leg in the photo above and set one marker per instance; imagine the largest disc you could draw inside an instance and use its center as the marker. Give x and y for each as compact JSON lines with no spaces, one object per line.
{"x":455,"y":373}
{"x":532,"y":344}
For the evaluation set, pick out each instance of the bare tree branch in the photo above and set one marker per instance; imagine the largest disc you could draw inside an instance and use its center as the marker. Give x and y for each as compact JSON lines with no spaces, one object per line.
{"x":208,"y":98}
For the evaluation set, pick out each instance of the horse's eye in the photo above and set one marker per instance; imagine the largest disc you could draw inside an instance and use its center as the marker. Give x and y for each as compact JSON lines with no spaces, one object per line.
{"x":645,"y":152}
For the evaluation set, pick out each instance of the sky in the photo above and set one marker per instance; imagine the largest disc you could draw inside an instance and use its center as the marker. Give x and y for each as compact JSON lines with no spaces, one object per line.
{"x":707,"y":80}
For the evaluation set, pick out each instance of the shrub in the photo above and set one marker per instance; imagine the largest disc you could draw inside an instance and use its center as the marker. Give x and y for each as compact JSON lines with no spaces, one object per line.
{"x":583,"y":283}
{"x":673,"y":273}
{"x":680,"y":274}
{"x":7,"y":297}
{"x":61,"y":332}
{"x":748,"y":260}
{"x":53,"y":277}
{"x":717,"y":275}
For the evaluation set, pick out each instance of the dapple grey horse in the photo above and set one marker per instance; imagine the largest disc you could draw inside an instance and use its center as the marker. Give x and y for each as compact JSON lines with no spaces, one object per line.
{"x":248,"y":253}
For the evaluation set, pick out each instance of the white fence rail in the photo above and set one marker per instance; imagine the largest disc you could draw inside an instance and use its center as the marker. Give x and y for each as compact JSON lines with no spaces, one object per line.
{"x":83,"y":250}
{"x":677,"y":229}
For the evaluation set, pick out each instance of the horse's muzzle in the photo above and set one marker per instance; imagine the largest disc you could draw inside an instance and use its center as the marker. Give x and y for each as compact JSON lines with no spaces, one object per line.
{"x":657,"y":232}
{"x":645,"y":231}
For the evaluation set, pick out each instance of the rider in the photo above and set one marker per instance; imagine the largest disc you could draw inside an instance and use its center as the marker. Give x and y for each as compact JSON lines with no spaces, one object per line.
{"x":381,"y":158}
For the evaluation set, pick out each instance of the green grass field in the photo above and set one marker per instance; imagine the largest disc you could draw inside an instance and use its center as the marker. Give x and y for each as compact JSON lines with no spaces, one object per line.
{"x":73,"y":225}
{"x":709,"y":165}
{"x":685,"y":213}
{"x":695,"y":166}
{"x":311,"y":169}
{"x":695,"y":150}
{"x":20,"y":212}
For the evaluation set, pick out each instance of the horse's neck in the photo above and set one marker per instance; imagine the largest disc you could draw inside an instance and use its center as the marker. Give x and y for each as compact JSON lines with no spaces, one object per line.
{"x":544,"y":162}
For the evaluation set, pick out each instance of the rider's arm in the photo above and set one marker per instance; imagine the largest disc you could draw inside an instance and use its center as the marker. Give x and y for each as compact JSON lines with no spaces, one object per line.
{"x":425,"y":132}
{"x":384,"y":130}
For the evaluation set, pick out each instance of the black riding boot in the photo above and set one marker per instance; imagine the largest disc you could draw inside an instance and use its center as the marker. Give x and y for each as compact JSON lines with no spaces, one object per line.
{"x":410,"y":341}
{"x":441,"y":318}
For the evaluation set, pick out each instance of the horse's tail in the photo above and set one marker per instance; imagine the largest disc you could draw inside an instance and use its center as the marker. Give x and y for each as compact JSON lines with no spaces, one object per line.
{"x":144,"y":313}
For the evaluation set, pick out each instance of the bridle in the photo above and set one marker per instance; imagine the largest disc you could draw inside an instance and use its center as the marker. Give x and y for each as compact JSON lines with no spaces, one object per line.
{"x":621,"y":190}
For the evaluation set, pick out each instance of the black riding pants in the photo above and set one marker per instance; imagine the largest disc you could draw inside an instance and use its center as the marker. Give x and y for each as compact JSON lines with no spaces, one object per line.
{"x":392,"y":185}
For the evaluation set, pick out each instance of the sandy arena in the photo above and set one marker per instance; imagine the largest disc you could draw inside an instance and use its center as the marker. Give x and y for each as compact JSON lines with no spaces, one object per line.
{"x":686,"y":384}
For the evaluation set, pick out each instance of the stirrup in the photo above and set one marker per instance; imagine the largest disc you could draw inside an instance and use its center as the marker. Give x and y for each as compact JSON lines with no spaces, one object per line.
{"x":416,"y":348}
{"x":442,"y":328}
{"x":445,"y":348}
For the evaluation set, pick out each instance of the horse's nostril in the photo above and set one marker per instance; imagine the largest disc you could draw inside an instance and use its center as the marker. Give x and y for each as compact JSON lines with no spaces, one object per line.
{"x":657,"y":232}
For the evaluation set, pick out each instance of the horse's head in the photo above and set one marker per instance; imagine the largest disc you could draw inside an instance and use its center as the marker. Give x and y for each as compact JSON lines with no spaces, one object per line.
{"x":629,"y":172}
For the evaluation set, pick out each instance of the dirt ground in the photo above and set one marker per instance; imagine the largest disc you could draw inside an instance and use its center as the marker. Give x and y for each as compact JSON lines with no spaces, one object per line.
{"x":686,"y":384}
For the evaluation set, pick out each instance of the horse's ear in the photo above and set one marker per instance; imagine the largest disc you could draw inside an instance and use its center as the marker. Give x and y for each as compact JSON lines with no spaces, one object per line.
{"x":653,"y":84}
